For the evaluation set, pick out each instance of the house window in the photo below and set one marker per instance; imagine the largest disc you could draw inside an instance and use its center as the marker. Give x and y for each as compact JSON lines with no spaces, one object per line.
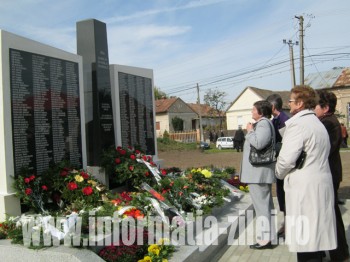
{"x":158,"y":125}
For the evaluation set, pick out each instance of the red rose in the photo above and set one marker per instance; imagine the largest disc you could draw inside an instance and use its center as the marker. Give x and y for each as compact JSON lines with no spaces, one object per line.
{"x":146,"y":173}
{"x":137,"y":151}
{"x":28,"y":191}
{"x":172,"y":183}
{"x":117,"y":161}
{"x":149,"y":158}
{"x":27,"y":180}
{"x":43,"y":187}
{"x":87,"y":190}
{"x":32,"y":177}
{"x":72,"y":186}
{"x":122,"y":152}
{"x":152,"y":163}
{"x":163,"y":172}
{"x":133,"y":157}
{"x":64,"y":173}
{"x":144,"y":158}
{"x":126,"y":196}
{"x":131,"y":168}
{"x":84,"y":175}
{"x":119,"y":148}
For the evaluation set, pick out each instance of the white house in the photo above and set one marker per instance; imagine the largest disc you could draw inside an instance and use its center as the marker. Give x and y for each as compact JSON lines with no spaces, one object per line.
{"x":239,"y":113}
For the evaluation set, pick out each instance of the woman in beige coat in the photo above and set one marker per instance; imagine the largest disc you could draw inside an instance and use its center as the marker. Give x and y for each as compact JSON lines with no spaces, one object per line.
{"x":310,"y":221}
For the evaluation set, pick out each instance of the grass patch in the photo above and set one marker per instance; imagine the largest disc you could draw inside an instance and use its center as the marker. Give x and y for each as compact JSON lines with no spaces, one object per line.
{"x":214,"y":150}
{"x":166,"y":144}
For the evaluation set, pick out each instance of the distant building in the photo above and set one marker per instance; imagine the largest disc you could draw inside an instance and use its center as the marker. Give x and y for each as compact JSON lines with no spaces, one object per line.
{"x":210,"y":117}
{"x":167,"y":109}
{"x":240,"y":111}
{"x":336,"y":80}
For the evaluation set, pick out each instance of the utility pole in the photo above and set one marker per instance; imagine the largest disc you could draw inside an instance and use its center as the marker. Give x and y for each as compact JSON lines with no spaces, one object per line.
{"x":301,"y":36}
{"x":200,"y":114}
{"x":290,"y":44}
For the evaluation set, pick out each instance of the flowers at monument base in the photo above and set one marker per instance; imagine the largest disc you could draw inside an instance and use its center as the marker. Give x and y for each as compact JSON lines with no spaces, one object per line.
{"x":59,"y":186}
{"x":234,"y":181}
{"x":158,"y":252}
{"x":126,"y":166}
{"x":167,"y":193}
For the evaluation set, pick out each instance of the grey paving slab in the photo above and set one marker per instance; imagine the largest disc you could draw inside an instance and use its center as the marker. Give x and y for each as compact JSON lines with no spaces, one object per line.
{"x":280,"y":252}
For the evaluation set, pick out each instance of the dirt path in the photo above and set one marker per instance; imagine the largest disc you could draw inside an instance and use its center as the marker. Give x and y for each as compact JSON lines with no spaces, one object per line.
{"x":230,"y":158}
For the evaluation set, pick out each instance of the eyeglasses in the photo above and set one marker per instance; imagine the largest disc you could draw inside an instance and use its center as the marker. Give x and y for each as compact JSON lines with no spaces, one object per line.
{"x":292,"y":100}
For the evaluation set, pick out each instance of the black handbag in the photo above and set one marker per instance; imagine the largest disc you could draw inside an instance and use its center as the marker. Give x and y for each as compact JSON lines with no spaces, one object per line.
{"x":263,"y":156}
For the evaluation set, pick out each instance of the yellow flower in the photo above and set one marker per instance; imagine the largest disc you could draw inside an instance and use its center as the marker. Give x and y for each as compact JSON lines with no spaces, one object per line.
{"x":206,"y":173}
{"x":193,"y":170}
{"x":164,"y":241}
{"x":146,"y":259}
{"x":92,"y":182}
{"x":199,"y":169}
{"x":164,"y":260}
{"x":79,"y":178}
{"x":154,"y":248}
{"x":241,"y":187}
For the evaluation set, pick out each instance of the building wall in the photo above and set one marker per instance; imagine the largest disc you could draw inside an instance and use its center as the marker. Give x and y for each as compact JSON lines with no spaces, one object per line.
{"x":240,"y":112}
{"x":186,"y":117}
{"x":163,"y":120}
{"x":343,"y":104}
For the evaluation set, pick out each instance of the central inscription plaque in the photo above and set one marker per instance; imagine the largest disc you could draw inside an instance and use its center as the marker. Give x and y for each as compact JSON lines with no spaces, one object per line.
{"x":45,"y":111}
{"x":136,"y":112}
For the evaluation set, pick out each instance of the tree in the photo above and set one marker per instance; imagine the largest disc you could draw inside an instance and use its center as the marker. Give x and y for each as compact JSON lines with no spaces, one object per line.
{"x":158,"y":94}
{"x":178,"y":123}
{"x":215,"y":99}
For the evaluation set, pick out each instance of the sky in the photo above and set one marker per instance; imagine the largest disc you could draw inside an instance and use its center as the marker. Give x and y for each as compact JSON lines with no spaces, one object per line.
{"x":225,"y":45}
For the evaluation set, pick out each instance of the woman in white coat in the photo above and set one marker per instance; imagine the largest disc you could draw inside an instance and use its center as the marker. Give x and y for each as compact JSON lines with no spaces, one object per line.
{"x":259,"y":178}
{"x":310,"y":221}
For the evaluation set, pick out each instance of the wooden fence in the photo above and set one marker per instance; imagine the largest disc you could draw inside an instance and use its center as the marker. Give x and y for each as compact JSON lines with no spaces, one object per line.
{"x":185,"y":136}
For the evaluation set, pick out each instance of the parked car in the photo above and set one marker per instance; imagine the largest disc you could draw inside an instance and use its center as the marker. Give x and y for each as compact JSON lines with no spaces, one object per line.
{"x":204,"y":145}
{"x":224,"y":142}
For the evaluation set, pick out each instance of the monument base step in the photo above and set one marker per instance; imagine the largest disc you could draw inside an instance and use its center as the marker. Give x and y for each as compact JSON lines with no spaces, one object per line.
{"x":187,"y":253}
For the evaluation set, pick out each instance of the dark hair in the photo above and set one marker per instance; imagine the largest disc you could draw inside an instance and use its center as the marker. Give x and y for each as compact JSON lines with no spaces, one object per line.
{"x":276,"y":101}
{"x":306,"y":94}
{"x":326,"y":98}
{"x":264,"y":108}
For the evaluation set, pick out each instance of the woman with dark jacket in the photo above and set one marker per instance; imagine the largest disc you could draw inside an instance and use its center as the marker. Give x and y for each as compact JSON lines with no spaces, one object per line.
{"x":325,"y":112}
{"x":260,"y":178}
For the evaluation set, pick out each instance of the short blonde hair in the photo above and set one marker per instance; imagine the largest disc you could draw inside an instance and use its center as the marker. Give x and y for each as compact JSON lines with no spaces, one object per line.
{"x":306,"y":94}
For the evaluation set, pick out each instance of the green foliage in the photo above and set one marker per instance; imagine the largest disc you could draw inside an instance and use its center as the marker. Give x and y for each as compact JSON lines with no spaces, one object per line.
{"x":56,"y":187}
{"x":168,"y":145}
{"x":166,"y":135}
{"x":125,"y":165}
{"x":158,"y":94}
{"x":178,"y":123}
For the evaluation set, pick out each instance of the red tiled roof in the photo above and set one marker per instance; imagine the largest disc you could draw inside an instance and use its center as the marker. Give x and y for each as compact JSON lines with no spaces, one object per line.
{"x":343,"y":79}
{"x":206,"y":110}
{"x":163,"y":105}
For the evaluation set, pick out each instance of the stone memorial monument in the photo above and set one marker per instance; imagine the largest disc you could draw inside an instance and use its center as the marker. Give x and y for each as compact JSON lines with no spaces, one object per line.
{"x":133,"y":103}
{"x":92,"y":46}
{"x":41,"y":120}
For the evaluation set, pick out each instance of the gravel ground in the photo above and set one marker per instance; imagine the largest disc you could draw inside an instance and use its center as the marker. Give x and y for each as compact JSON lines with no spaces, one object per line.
{"x":230,"y":158}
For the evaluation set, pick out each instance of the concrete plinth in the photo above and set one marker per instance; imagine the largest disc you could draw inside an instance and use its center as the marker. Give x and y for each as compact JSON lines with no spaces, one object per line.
{"x":9,"y":205}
